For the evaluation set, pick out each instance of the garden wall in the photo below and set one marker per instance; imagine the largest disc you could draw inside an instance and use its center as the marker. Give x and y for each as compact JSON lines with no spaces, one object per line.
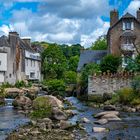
{"x":108,"y":83}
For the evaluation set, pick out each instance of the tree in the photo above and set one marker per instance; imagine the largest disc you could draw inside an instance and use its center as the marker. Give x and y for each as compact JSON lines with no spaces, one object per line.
{"x":100,"y":44}
{"x":73,"y":63}
{"x":110,"y":63}
{"x":133,"y":65}
{"x":53,"y":62}
{"x":89,"y":69}
{"x":70,"y":77}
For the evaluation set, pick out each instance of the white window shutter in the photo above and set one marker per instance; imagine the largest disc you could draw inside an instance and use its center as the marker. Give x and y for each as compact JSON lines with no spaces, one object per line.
{"x":132,"y":25}
{"x":123,"y":26}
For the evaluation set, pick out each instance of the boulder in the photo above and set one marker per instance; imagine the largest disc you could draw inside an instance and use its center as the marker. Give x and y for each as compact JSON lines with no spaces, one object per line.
{"x":85,"y":120}
{"x":48,"y":122}
{"x":109,"y":107}
{"x":54,"y":102}
{"x":101,"y":121}
{"x":138,"y":108}
{"x":129,"y":109}
{"x":13,"y":92}
{"x":22,"y":102}
{"x":99,"y":115}
{"x":58,"y":114}
{"x":111,"y":117}
{"x":69,"y":113}
{"x":99,"y":129}
{"x":65,"y":124}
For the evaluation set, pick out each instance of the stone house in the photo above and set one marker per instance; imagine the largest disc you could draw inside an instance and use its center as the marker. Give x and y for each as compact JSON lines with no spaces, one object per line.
{"x":123,"y":36}
{"x":23,"y":63}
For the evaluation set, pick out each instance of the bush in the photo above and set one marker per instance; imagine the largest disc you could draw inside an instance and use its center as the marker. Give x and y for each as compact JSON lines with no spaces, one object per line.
{"x":136,"y":84}
{"x":135,"y":101}
{"x":70,"y":77}
{"x":6,"y":85}
{"x":126,"y":95}
{"x":42,"y":108}
{"x":20,"y":84}
{"x":55,"y":87}
{"x":110,"y":63}
{"x":96,"y":98}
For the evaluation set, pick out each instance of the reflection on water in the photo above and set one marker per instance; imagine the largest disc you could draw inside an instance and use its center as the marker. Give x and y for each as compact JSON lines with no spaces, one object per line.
{"x":10,"y":119}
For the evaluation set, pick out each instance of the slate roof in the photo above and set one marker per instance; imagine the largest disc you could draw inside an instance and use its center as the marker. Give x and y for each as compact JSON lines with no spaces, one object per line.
{"x":90,"y":56}
{"x":22,"y":44}
{"x":128,"y":15}
{"x":4,"y":41}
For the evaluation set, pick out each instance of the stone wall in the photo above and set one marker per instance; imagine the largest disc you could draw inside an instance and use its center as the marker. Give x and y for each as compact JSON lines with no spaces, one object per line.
{"x":108,"y":83}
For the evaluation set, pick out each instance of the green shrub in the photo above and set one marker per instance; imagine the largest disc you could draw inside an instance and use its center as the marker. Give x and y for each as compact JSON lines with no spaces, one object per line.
{"x":56,"y":87}
{"x":110,"y":63}
{"x":114,"y":99}
{"x":96,"y":98}
{"x":126,"y":95}
{"x":70,"y":77}
{"x":136,"y":84}
{"x":6,"y":85}
{"x":20,"y":84}
{"x":135,"y":101}
{"x":2,"y":92}
{"x":42,"y":108}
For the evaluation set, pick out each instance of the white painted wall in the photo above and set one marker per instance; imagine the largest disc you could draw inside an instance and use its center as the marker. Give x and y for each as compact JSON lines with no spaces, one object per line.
{"x":3,"y":61}
{"x":32,"y":66}
{"x":2,"y":79}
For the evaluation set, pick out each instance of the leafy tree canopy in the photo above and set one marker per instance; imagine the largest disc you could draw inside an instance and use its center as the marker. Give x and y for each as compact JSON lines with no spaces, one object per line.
{"x":73,"y":63}
{"x":100,"y":44}
{"x":110,"y":63}
{"x":53,"y":62}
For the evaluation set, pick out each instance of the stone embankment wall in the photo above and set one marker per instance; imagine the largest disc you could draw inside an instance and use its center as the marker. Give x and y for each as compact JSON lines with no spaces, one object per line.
{"x":108,"y":83}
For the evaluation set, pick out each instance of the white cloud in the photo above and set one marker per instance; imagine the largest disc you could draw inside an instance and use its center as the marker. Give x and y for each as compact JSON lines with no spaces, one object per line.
{"x":5,"y":29}
{"x":133,"y":7}
{"x":80,"y":23}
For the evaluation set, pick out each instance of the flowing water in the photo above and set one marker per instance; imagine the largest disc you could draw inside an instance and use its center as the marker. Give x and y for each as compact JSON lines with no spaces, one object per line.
{"x":10,"y":119}
{"x":127,"y":129}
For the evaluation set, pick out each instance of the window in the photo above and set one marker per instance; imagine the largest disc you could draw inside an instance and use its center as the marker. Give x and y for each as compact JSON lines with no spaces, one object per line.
{"x":128,"y":25}
{"x":31,"y":63}
{"x":0,"y":62}
{"x":32,"y":75}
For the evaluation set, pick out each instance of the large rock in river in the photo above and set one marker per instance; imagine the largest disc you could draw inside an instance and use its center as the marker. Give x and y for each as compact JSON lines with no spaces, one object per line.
{"x":22,"y":102}
{"x":58,"y":114}
{"x":99,"y":115}
{"x":13,"y":92}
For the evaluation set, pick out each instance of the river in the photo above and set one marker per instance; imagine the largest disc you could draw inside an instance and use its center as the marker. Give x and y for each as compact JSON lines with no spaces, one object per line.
{"x":10,"y":119}
{"x":127,"y":129}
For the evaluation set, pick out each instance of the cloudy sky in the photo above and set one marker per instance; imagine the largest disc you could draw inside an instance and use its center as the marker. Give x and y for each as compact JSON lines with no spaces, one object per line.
{"x":61,"y":21}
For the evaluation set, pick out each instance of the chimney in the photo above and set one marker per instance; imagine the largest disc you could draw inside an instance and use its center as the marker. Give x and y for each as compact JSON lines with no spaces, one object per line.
{"x":114,"y":17}
{"x":138,"y":14}
{"x":13,"y":35}
{"x":27,"y":40}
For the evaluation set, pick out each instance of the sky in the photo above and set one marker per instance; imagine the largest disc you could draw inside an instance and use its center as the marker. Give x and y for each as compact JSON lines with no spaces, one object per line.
{"x":61,"y":21}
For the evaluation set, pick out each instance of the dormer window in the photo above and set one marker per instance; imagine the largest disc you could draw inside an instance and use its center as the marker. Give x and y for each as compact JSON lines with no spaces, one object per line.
{"x":128,"y":25}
